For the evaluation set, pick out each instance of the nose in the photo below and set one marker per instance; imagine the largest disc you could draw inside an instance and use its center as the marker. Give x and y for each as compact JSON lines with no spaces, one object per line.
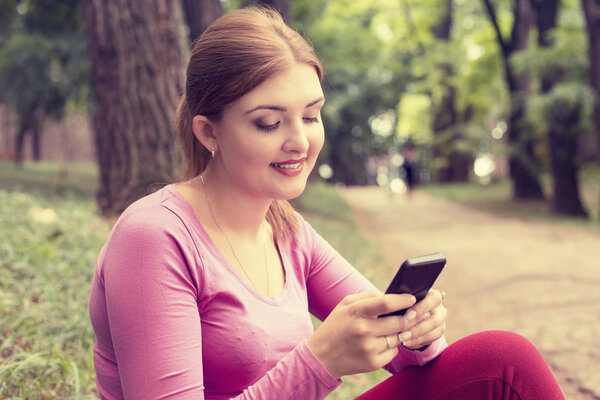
{"x":296,"y":140}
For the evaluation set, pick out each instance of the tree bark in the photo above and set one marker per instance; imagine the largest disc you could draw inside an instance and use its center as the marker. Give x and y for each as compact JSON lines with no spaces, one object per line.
{"x":282,"y":6}
{"x":136,"y":75}
{"x":591,"y":11}
{"x":562,"y":135}
{"x":455,"y":165}
{"x":199,"y":14}
{"x":522,"y":163}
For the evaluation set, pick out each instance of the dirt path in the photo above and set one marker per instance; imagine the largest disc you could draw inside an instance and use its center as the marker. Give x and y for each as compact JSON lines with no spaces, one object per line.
{"x":533,"y":278}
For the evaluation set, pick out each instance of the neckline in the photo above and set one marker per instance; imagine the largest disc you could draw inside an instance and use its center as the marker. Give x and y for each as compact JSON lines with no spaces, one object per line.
{"x":191,"y":216}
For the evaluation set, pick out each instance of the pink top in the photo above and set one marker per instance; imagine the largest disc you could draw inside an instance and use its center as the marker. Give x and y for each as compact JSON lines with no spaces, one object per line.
{"x":172,"y":317}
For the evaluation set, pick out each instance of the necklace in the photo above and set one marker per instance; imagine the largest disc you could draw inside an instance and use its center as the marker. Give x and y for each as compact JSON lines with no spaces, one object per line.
{"x":229,"y":242}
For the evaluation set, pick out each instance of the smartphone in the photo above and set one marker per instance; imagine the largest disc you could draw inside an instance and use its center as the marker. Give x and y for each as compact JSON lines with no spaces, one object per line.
{"x":416,"y":276}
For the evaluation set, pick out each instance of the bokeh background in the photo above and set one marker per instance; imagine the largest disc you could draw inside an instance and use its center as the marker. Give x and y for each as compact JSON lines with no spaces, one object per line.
{"x":499,"y":99}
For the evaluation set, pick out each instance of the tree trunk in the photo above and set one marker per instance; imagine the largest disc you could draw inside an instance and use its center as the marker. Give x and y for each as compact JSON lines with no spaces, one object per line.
{"x":562,"y":135}
{"x":136,"y":75}
{"x":591,"y":10}
{"x":522,"y":163}
{"x":563,"y":150}
{"x":282,"y":6}
{"x":454,"y":162}
{"x":199,"y":14}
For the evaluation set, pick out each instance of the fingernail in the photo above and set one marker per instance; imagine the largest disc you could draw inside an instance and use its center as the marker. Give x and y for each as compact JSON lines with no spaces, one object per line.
{"x":410,"y":315}
{"x":405,"y":336}
{"x":426,"y":315}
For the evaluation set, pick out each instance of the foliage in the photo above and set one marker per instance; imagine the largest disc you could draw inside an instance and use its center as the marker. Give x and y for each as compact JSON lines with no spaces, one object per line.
{"x":43,"y":65}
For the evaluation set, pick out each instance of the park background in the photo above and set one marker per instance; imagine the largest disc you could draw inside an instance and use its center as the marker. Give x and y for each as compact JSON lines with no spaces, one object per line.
{"x":499,"y":98}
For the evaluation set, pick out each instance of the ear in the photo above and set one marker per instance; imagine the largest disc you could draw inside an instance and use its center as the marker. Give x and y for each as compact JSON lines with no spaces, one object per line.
{"x":204,"y":130}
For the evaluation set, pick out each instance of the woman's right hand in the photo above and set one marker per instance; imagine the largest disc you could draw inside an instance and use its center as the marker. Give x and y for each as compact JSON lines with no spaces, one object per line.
{"x":352,"y":339}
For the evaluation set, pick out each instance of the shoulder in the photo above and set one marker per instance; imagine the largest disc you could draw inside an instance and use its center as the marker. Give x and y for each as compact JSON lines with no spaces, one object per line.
{"x":153,"y":218}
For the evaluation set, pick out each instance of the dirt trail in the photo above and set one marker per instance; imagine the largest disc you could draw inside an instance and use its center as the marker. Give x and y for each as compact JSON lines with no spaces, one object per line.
{"x":532,"y":278}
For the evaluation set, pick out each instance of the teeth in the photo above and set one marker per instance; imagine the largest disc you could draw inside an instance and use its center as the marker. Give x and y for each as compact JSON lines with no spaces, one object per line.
{"x":288,"y":166}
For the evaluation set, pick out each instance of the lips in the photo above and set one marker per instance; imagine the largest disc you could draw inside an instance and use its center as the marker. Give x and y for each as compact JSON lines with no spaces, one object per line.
{"x":289,"y":167}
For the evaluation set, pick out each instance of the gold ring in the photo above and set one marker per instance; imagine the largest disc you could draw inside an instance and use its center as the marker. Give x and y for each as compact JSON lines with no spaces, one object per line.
{"x":389,"y":342}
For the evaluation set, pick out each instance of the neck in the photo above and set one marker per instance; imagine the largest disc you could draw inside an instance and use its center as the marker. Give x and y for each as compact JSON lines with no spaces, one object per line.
{"x":234,"y":209}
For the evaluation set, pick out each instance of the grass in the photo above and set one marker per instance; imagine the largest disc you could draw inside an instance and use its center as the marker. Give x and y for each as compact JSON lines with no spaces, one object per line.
{"x":49,"y":239}
{"x":497,"y":198}
{"x":50,"y":236}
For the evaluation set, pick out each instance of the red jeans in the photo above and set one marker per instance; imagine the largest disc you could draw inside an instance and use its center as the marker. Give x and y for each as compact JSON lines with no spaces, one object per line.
{"x":487,"y":365}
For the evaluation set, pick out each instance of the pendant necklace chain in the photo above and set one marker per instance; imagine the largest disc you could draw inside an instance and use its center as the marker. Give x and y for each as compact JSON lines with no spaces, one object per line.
{"x":229,"y":242}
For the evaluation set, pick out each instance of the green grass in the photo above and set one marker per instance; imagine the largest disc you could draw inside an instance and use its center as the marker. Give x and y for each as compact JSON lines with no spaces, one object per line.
{"x":49,"y":239}
{"x":50,"y":236}
{"x":497,"y":198}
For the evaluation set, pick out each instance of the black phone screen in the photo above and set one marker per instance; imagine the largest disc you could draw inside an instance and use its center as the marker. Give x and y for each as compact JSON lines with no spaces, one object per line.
{"x":416,"y":276}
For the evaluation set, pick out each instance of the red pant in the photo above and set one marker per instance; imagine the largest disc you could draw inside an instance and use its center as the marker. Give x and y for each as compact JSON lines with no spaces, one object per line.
{"x":487,"y":365}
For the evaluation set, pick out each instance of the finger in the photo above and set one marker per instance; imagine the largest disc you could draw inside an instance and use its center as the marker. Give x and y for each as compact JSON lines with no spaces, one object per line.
{"x":352,"y":298}
{"x":375,"y":306}
{"x":433,"y":299}
{"x":426,"y":339}
{"x":423,"y":331}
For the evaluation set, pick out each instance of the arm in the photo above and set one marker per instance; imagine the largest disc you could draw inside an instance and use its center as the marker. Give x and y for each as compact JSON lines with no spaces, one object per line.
{"x":152,"y":312}
{"x":332,"y":278}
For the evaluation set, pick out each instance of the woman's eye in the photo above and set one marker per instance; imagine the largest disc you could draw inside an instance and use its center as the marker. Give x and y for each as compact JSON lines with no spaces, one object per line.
{"x":312,"y":120}
{"x":267,"y":127}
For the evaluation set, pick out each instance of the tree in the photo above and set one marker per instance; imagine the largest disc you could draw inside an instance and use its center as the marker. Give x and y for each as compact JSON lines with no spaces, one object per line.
{"x":591,"y":10}
{"x":199,"y":14}
{"x":136,"y":73}
{"x":522,"y":162}
{"x":42,"y":65}
{"x":563,"y":110}
{"x":453,"y":164}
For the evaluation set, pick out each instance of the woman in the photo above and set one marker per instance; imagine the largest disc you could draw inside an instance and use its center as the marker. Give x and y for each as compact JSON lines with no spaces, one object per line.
{"x":203,"y":289}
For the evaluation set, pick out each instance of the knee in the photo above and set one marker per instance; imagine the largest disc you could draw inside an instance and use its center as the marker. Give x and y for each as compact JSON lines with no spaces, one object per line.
{"x":500,"y":349}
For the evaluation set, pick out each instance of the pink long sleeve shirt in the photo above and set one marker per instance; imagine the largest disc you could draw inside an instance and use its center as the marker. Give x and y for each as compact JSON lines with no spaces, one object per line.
{"x":173,"y":318}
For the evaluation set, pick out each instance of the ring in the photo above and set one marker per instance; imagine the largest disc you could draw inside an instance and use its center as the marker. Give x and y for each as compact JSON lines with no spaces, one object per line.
{"x":389,"y":342}
{"x":443,"y":294}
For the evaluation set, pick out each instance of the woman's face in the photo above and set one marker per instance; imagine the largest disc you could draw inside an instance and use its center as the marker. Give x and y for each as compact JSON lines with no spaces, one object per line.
{"x":269,"y":139}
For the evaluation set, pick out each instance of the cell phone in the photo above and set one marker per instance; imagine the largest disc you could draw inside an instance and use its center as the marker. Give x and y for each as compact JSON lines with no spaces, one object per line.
{"x":416,"y":276}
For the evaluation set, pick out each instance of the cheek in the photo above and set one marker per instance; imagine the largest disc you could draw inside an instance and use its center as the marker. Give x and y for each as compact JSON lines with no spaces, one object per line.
{"x":316,"y":141}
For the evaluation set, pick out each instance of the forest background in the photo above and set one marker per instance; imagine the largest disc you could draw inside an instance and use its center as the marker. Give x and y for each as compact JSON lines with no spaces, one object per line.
{"x":489,"y":91}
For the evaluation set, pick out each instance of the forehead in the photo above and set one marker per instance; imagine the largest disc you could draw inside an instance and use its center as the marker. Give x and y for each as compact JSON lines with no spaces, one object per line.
{"x":293,"y":87}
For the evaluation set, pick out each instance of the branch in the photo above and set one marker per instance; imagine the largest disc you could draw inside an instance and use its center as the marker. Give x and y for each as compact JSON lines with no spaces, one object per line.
{"x":494,"y":20}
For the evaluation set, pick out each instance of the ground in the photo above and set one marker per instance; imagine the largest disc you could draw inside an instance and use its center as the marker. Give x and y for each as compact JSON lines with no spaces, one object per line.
{"x":534,"y":278}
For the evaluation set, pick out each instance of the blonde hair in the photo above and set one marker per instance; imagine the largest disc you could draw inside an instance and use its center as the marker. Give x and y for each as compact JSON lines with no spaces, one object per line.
{"x":234,"y":55}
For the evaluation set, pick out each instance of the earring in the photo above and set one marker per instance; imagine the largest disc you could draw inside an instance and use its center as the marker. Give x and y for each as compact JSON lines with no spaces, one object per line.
{"x":212,"y":152}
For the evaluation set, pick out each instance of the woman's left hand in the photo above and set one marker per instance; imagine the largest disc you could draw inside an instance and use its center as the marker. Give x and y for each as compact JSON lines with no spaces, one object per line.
{"x":427,"y":321}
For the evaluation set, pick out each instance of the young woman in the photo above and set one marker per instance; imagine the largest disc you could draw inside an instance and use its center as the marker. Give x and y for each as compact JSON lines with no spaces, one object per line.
{"x":204,"y":288}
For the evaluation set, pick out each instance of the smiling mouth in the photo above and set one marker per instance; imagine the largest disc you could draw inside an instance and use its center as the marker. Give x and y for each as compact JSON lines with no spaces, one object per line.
{"x":287,"y":166}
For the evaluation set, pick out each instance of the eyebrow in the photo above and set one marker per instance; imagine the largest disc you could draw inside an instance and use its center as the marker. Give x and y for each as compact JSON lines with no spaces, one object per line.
{"x":279,"y":108}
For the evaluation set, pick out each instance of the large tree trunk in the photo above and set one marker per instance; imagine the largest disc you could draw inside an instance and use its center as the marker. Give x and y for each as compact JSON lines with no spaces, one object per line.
{"x":522,"y":162}
{"x":562,"y":136}
{"x":199,"y":14}
{"x":136,"y":73}
{"x":591,"y":10}
{"x":455,"y":164}
{"x":282,"y":6}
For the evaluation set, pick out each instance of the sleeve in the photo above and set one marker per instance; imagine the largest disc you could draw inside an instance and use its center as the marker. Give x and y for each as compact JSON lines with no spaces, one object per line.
{"x":330,"y":278}
{"x":152,"y":313}
{"x":298,"y":376}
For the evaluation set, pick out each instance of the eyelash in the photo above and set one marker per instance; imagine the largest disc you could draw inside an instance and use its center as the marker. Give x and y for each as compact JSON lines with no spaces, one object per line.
{"x":268,"y":128}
